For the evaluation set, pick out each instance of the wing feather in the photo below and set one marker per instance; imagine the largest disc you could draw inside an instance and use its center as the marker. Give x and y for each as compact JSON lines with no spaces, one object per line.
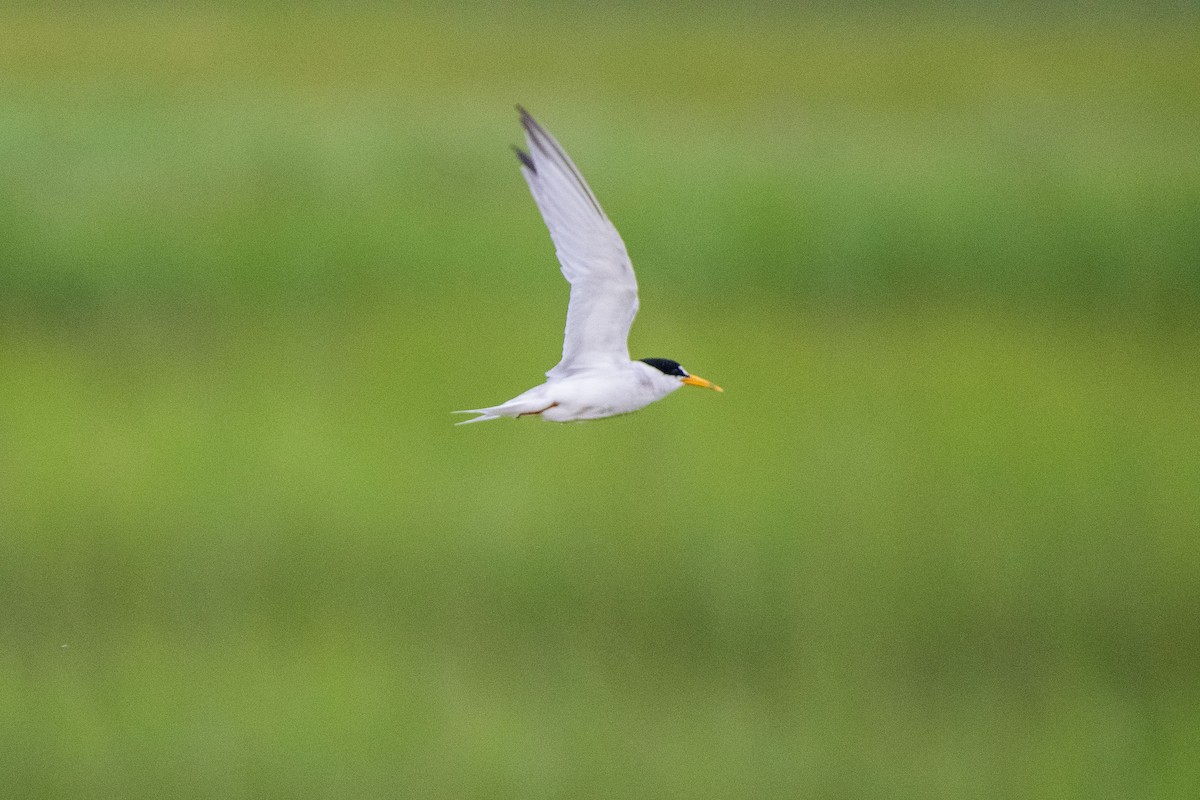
{"x":590,"y":251}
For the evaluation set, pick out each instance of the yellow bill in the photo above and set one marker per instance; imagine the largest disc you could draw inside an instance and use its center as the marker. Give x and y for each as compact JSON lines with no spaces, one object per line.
{"x":696,"y":380}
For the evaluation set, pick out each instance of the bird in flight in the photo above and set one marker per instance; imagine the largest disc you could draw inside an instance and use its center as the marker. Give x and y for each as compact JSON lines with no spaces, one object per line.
{"x":595,"y":378}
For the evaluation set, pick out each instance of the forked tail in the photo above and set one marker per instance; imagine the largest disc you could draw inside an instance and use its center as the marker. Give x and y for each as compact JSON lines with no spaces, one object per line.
{"x":525,"y":405}
{"x":484,"y":415}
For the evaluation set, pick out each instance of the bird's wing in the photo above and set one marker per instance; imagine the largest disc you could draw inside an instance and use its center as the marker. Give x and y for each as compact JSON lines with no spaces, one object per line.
{"x":593,"y":258}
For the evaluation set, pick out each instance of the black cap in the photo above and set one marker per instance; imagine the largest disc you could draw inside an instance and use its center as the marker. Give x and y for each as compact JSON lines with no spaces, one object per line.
{"x":666,"y":366}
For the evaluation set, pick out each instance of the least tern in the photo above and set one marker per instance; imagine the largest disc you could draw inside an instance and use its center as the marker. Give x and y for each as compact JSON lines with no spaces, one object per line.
{"x":595,"y":378}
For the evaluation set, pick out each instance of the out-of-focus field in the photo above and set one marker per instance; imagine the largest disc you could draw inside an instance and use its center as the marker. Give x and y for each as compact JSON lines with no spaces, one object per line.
{"x":938,"y":539}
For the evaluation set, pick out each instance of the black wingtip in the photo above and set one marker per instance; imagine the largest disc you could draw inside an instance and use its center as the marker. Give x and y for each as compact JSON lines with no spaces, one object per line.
{"x":525,"y":160}
{"x":527,"y":121}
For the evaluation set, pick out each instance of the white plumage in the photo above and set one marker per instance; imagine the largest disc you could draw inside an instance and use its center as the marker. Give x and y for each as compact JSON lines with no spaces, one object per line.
{"x":595,"y":377}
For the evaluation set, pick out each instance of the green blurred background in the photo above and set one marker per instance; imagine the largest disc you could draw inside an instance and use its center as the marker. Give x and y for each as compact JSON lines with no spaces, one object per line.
{"x":937,"y":540}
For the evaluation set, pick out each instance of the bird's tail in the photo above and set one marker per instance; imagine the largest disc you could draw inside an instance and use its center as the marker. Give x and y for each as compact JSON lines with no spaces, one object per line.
{"x":513,"y":408}
{"x":528,"y":403}
{"x":484,"y":415}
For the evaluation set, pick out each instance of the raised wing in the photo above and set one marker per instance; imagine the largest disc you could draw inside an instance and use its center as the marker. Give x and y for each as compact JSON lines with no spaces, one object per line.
{"x":593,"y":258}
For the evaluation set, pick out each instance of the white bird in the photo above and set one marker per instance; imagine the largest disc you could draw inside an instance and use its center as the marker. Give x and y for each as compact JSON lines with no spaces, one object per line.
{"x":595,"y":377}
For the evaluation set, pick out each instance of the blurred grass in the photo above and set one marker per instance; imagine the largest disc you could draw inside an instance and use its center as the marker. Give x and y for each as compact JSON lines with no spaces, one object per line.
{"x":937,"y":539}
{"x":210,"y":151}
{"x":275,"y":572}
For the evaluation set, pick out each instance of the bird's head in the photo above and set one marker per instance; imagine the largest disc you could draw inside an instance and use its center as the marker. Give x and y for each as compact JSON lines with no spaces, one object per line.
{"x":672,"y":368}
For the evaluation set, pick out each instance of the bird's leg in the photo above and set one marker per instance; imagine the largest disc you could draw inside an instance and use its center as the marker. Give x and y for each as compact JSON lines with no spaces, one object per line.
{"x":535,"y":413}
